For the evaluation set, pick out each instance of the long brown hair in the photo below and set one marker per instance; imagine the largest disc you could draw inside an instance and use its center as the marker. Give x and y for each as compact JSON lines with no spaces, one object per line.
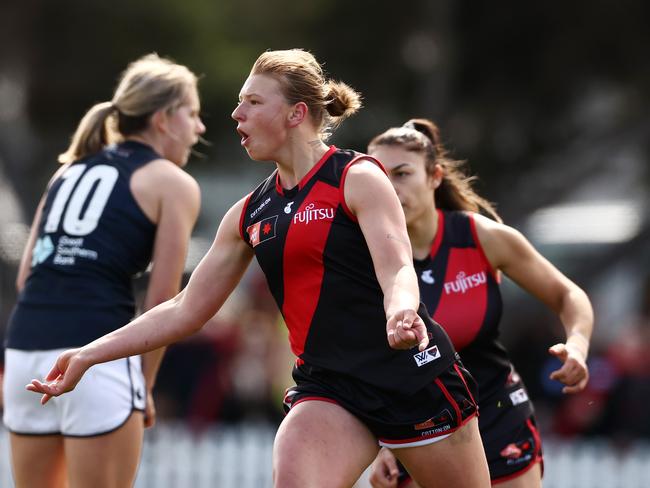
{"x":302,"y":79}
{"x":148,"y":84}
{"x":455,"y":192}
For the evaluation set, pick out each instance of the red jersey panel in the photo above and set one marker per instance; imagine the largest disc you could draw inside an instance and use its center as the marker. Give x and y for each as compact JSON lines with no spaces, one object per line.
{"x":320,"y":272}
{"x":303,"y":275}
{"x":465,"y":283}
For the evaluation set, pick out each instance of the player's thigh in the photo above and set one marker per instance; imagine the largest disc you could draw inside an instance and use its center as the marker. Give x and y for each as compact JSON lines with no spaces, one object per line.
{"x":319,"y":443}
{"x":458,"y":461}
{"x":530,"y":478}
{"x":37,"y":460}
{"x":513,"y":447}
{"x":107,"y":460}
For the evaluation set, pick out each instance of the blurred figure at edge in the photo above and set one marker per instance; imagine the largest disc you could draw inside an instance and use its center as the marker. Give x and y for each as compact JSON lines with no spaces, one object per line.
{"x":119,"y":201}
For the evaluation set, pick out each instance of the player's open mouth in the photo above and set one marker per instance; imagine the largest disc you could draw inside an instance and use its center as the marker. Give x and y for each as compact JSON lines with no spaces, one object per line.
{"x":244,"y":137}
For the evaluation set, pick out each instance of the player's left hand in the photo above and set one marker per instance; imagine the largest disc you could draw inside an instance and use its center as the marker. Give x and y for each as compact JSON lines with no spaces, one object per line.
{"x":405,"y":329}
{"x":383,"y":471}
{"x":574,"y":372}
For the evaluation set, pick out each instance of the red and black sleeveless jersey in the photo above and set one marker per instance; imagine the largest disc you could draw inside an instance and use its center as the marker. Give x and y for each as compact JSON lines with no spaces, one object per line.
{"x":461,"y":292}
{"x":320,"y":272}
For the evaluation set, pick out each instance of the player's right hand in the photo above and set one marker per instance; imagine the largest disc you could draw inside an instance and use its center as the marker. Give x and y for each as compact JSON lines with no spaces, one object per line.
{"x":383,"y":471}
{"x":62,"y":378}
{"x":405,"y":329}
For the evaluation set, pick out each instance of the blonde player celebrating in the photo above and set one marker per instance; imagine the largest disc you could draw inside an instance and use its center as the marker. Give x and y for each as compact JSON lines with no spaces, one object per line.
{"x":329,"y":234}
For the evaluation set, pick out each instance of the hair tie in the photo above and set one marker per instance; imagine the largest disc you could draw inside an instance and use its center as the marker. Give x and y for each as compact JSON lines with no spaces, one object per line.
{"x":410,"y":125}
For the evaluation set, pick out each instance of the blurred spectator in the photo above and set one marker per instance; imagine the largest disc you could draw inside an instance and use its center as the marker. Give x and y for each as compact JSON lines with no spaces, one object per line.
{"x":615,"y":403}
{"x":626,"y":414}
{"x":235,"y":369}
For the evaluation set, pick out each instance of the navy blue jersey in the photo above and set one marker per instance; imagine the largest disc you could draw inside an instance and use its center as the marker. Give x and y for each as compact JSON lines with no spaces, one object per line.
{"x":92,"y":239}
{"x":461,"y":292}
{"x":320,"y":272}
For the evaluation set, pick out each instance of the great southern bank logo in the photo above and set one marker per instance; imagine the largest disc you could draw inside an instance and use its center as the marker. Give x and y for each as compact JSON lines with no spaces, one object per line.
{"x":42,"y":250}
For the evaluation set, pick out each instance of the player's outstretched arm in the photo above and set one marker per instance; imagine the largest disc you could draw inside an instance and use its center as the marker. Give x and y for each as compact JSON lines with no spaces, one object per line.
{"x":210,"y":285}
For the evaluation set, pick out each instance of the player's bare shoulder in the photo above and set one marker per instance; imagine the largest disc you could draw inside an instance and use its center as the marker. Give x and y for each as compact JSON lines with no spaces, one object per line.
{"x":161,"y":172}
{"x":501,"y":243}
{"x":364,"y":184}
{"x":161,"y":180}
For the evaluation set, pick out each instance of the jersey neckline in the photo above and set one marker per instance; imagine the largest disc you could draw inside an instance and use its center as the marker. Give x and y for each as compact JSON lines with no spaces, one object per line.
{"x":291,"y":192}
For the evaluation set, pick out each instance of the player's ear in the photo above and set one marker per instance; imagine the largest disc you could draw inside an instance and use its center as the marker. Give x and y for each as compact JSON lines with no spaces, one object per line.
{"x":435,"y":178}
{"x":159,"y":120}
{"x":297,"y":114}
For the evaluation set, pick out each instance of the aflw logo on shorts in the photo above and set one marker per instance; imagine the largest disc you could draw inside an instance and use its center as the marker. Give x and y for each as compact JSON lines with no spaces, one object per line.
{"x":310,"y":214}
{"x":426,"y":356}
{"x":518,"y":396}
{"x":464,"y":282}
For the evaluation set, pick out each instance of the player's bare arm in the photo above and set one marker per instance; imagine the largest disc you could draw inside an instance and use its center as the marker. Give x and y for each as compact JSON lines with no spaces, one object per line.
{"x":373,"y":201}
{"x":509,"y":251}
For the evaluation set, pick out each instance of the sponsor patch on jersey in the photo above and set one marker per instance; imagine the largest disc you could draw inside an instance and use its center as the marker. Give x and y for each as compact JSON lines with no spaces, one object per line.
{"x":463,"y":282}
{"x":426,"y":356}
{"x":518,"y":396}
{"x":311,"y":213}
{"x":42,"y":250}
{"x":262,"y":231}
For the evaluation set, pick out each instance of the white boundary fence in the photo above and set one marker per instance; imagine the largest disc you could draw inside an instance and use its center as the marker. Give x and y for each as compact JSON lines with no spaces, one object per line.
{"x":240,"y":457}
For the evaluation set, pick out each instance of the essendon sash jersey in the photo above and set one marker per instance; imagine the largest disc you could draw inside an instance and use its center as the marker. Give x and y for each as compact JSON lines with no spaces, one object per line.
{"x":461,"y":292}
{"x":320,"y":272}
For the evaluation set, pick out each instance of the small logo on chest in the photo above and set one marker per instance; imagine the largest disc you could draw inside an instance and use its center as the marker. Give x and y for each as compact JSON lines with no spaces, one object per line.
{"x":287,"y":208}
{"x":427,"y":277}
